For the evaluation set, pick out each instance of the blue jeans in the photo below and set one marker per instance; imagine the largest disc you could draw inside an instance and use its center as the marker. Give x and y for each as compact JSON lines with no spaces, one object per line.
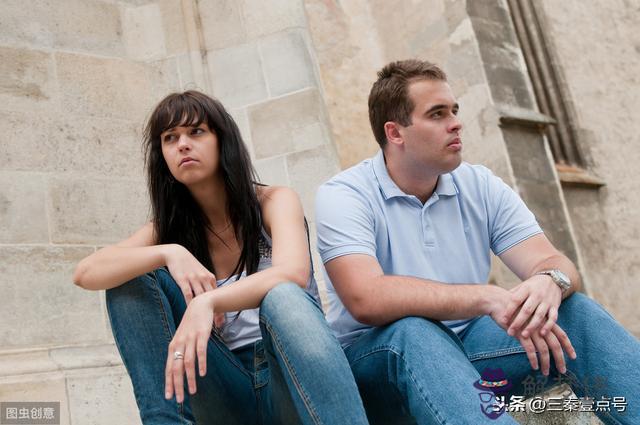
{"x":297,"y":373}
{"x":418,"y":371}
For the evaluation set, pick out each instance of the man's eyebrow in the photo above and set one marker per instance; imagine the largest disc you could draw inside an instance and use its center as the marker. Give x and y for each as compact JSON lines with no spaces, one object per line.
{"x":441,"y":106}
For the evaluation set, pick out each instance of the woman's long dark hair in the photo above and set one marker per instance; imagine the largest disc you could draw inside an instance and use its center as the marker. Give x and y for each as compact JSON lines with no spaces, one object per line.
{"x":176,"y":216}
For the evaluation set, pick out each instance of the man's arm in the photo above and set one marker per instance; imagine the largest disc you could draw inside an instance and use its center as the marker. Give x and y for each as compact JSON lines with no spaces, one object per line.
{"x":537,"y":298}
{"x":377,"y":299}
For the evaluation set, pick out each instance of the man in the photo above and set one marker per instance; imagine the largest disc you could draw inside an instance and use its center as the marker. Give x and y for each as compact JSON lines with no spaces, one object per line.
{"x":406,"y":238}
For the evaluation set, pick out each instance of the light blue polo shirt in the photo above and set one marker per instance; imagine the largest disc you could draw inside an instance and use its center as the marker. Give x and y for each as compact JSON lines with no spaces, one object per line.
{"x":448,"y":239}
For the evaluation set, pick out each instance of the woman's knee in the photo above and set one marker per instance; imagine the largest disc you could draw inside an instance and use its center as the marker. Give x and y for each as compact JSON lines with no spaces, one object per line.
{"x":286,"y":299}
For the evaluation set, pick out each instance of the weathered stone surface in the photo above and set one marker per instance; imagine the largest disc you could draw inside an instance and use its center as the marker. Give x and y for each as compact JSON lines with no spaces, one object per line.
{"x":23,"y":208}
{"x":273,"y":171}
{"x":142,"y":33}
{"x":103,"y":87}
{"x":173,"y":25}
{"x":222,"y":23}
{"x":263,"y":18}
{"x":91,"y":26}
{"x":287,"y":64}
{"x":28,"y":80}
{"x":26,"y":143}
{"x":596,"y":48}
{"x":347,"y":48}
{"x":101,"y":396}
{"x":47,"y":309}
{"x":46,"y":388}
{"x":236,"y":75}
{"x":308,"y":170}
{"x":287,"y":124}
{"x":96,"y":211}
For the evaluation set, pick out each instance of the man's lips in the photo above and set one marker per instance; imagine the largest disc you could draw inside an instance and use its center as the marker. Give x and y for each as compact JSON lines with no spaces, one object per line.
{"x":455,"y":144}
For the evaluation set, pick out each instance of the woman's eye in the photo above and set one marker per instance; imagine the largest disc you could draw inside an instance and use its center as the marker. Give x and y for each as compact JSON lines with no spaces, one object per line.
{"x":197,"y":130}
{"x":168,"y":138}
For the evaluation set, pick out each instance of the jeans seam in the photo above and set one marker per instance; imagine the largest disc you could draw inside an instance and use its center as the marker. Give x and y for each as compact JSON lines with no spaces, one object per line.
{"x":394,"y":350}
{"x":575,"y":380}
{"x":496,"y":353}
{"x":299,"y":388}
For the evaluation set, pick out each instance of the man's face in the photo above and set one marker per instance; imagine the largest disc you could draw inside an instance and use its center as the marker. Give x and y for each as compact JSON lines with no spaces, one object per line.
{"x":432,"y":140}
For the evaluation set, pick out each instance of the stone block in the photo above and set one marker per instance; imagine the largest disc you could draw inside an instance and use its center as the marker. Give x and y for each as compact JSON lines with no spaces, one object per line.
{"x":101,"y":397}
{"x":104,"y":87}
{"x":287,"y":63}
{"x":164,"y":78}
{"x":45,"y":307}
{"x":26,"y":142}
{"x":28,"y":80}
{"x":74,"y":25}
{"x":44,"y":388}
{"x":241,"y":118}
{"x":109,"y":147}
{"x":143,"y":33}
{"x":308,"y":170}
{"x":23,"y":208}
{"x":99,"y":146}
{"x":287,"y":124}
{"x":272,"y":171}
{"x":262,"y":18}
{"x":173,"y":24}
{"x":96,"y":211}
{"x":221,"y":22}
{"x":236,"y":75}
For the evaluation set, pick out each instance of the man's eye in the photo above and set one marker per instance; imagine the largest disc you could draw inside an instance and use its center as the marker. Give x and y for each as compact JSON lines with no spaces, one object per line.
{"x":437,"y":114}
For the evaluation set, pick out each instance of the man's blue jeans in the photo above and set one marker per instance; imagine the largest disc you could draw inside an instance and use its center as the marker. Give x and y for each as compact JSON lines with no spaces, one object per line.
{"x":418,"y":371}
{"x":296,"y":374}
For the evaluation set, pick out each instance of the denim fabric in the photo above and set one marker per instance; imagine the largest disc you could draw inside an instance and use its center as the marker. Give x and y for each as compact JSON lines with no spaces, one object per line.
{"x":417,"y":371}
{"x":297,"y":373}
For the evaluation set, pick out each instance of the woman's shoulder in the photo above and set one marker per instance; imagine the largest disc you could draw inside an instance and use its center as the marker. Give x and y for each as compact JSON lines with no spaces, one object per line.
{"x":276,"y":195}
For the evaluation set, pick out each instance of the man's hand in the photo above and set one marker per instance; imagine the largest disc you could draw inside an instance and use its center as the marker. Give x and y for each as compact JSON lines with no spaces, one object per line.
{"x":533,"y":306}
{"x":555,"y":340}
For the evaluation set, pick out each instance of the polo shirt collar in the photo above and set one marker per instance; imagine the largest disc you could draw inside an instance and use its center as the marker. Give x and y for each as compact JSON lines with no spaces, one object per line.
{"x":445,"y":187}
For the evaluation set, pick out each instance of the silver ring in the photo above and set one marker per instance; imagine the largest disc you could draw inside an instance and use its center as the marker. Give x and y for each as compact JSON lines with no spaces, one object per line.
{"x":177,"y":355}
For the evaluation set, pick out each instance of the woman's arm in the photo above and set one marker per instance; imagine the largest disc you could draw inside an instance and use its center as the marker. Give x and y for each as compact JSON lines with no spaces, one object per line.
{"x":114,"y":265}
{"x":283,"y":218}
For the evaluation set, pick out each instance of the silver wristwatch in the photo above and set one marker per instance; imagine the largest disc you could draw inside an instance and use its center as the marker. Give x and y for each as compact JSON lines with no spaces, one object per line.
{"x":559,"y":278}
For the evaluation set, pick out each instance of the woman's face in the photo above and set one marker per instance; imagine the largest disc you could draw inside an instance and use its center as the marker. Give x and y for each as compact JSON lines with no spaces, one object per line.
{"x":191,"y":153}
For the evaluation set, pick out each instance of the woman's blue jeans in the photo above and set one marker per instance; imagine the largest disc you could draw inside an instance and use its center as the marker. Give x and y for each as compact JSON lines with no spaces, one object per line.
{"x":297,"y":373}
{"x":418,"y":371}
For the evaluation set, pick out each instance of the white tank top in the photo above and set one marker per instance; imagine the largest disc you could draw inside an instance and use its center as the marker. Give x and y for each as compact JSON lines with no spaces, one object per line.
{"x":244,"y":328}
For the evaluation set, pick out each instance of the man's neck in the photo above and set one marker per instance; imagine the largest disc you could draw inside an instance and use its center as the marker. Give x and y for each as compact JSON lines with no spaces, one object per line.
{"x":419,"y":184}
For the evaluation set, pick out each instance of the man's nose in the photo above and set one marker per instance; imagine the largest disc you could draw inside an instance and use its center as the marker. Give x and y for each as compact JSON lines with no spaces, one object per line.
{"x":456,"y":125}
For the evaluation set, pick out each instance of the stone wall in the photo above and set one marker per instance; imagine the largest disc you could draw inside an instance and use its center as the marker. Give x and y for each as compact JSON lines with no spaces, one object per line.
{"x":79,"y":77}
{"x":597,"y":46}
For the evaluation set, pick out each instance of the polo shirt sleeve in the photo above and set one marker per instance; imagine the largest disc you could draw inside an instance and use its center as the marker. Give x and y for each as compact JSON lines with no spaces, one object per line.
{"x":510,"y":221}
{"x":344,"y":222}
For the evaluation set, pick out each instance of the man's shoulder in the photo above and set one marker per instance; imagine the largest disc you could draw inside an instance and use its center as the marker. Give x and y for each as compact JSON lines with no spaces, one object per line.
{"x":471,"y":176}
{"x":359,"y":177}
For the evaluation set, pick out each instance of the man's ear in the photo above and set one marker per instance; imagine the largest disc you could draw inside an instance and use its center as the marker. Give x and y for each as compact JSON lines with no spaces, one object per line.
{"x":392,"y":132}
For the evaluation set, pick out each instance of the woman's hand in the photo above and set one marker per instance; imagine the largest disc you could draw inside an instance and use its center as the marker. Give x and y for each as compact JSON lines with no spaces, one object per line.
{"x":191,"y":276}
{"x":189,"y":342}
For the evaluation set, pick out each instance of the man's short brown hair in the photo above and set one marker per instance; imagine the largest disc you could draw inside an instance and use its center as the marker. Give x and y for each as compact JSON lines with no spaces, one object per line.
{"x":389,"y":97}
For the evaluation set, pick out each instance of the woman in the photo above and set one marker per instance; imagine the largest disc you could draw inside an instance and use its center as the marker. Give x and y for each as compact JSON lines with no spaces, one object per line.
{"x":219,"y":243}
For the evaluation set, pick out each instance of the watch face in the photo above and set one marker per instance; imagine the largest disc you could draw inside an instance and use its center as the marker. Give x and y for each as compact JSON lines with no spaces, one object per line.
{"x":562,"y":277}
